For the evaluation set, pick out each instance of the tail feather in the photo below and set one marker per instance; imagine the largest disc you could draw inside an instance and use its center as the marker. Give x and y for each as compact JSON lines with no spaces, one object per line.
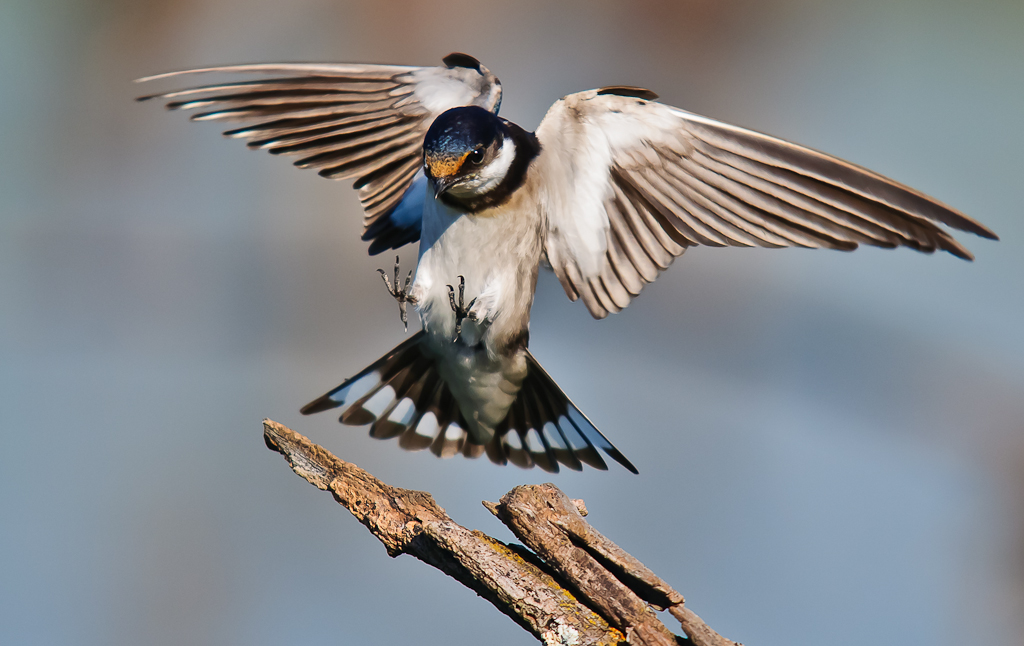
{"x":424,"y":395}
{"x":402,"y":395}
{"x":536,"y":438}
{"x":576,"y":441}
{"x":368,"y":378}
{"x":555,"y":436}
{"x":451,"y":436}
{"x":471,"y":450}
{"x":495,"y":450}
{"x":449,"y":442}
{"x":394,"y":419}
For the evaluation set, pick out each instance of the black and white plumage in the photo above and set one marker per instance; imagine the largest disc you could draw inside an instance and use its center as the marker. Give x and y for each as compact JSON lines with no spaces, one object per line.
{"x":611,"y":188}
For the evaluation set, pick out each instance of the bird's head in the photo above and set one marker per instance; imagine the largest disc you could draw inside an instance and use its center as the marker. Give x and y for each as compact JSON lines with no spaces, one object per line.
{"x":467,"y":153}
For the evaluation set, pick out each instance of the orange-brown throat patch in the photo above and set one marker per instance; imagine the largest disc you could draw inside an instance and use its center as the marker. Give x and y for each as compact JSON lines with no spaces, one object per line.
{"x":447,"y":165}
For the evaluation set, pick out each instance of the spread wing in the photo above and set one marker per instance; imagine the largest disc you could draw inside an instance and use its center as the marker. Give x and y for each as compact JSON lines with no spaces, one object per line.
{"x":627,"y":184}
{"x":348,"y":121}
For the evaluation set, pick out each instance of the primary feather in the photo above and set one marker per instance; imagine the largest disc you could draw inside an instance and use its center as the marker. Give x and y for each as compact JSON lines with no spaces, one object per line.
{"x":347,"y":121}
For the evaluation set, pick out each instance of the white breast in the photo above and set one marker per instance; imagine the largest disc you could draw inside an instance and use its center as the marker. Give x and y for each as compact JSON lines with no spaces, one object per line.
{"x":498,"y":253}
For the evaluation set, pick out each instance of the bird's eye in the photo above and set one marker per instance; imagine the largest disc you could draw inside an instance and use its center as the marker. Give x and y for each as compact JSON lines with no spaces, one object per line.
{"x":476,"y":156}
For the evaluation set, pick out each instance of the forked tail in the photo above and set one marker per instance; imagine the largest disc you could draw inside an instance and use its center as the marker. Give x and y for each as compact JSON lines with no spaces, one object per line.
{"x":403,"y":395}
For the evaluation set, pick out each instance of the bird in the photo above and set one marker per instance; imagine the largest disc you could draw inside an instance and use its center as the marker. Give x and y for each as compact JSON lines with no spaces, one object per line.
{"x":609,"y":190}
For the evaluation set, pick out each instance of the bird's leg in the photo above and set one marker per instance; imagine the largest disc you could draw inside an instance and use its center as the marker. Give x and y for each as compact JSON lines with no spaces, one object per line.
{"x":399,"y":292}
{"x":461,"y":309}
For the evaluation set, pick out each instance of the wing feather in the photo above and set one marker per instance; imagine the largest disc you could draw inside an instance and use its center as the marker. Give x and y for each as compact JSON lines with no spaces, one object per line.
{"x":660,"y":248}
{"x":878,"y":235}
{"x":693,"y":229}
{"x":749,"y":204}
{"x":603,"y":297}
{"x":622,"y":265}
{"x":702,"y":203}
{"x":774,"y":234}
{"x":829,"y":170}
{"x":342,"y":138}
{"x":627,"y":247}
{"x":813,"y":195}
{"x":627,"y":184}
{"x":361,"y":122}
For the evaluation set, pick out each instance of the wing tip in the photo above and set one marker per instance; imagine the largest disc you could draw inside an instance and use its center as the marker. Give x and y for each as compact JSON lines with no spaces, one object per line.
{"x":957,"y":220}
{"x":984,"y":232}
{"x":954,"y":248}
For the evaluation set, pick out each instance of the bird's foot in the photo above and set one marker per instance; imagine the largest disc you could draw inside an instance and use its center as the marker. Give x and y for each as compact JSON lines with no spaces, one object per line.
{"x":399,"y":292}
{"x":461,"y":308}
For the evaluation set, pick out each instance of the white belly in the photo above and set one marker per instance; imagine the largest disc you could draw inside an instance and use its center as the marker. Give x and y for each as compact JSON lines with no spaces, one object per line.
{"x":498,"y":254}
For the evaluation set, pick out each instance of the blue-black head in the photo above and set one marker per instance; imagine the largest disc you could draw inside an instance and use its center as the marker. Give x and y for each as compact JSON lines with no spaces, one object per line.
{"x":475,"y":159}
{"x":460,"y":147}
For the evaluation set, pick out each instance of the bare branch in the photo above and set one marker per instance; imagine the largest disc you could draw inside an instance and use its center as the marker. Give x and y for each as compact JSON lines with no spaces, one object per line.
{"x":410,"y":522}
{"x":584,"y":590}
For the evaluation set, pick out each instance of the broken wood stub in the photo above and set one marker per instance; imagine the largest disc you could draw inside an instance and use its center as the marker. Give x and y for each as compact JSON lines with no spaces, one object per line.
{"x":582,"y":590}
{"x":544,"y":519}
{"x":614,"y":582}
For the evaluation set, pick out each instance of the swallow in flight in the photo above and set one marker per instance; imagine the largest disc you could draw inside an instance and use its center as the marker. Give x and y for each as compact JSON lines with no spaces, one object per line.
{"x":610,"y":189}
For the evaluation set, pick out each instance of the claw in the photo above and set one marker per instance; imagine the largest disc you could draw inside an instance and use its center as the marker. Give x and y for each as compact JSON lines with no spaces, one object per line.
{"x":398,"y":292}
{"x":461,"y":309}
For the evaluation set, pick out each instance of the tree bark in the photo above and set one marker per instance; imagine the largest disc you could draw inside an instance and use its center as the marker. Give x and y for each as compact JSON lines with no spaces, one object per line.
{"x":576,"y":587}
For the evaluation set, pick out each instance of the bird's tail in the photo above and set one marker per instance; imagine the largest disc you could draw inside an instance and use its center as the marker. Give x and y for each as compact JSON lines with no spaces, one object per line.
{"x":403,"y":395}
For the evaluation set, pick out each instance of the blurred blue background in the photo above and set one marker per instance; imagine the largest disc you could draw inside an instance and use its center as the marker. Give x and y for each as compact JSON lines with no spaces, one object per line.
{"x":830,"y":445}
